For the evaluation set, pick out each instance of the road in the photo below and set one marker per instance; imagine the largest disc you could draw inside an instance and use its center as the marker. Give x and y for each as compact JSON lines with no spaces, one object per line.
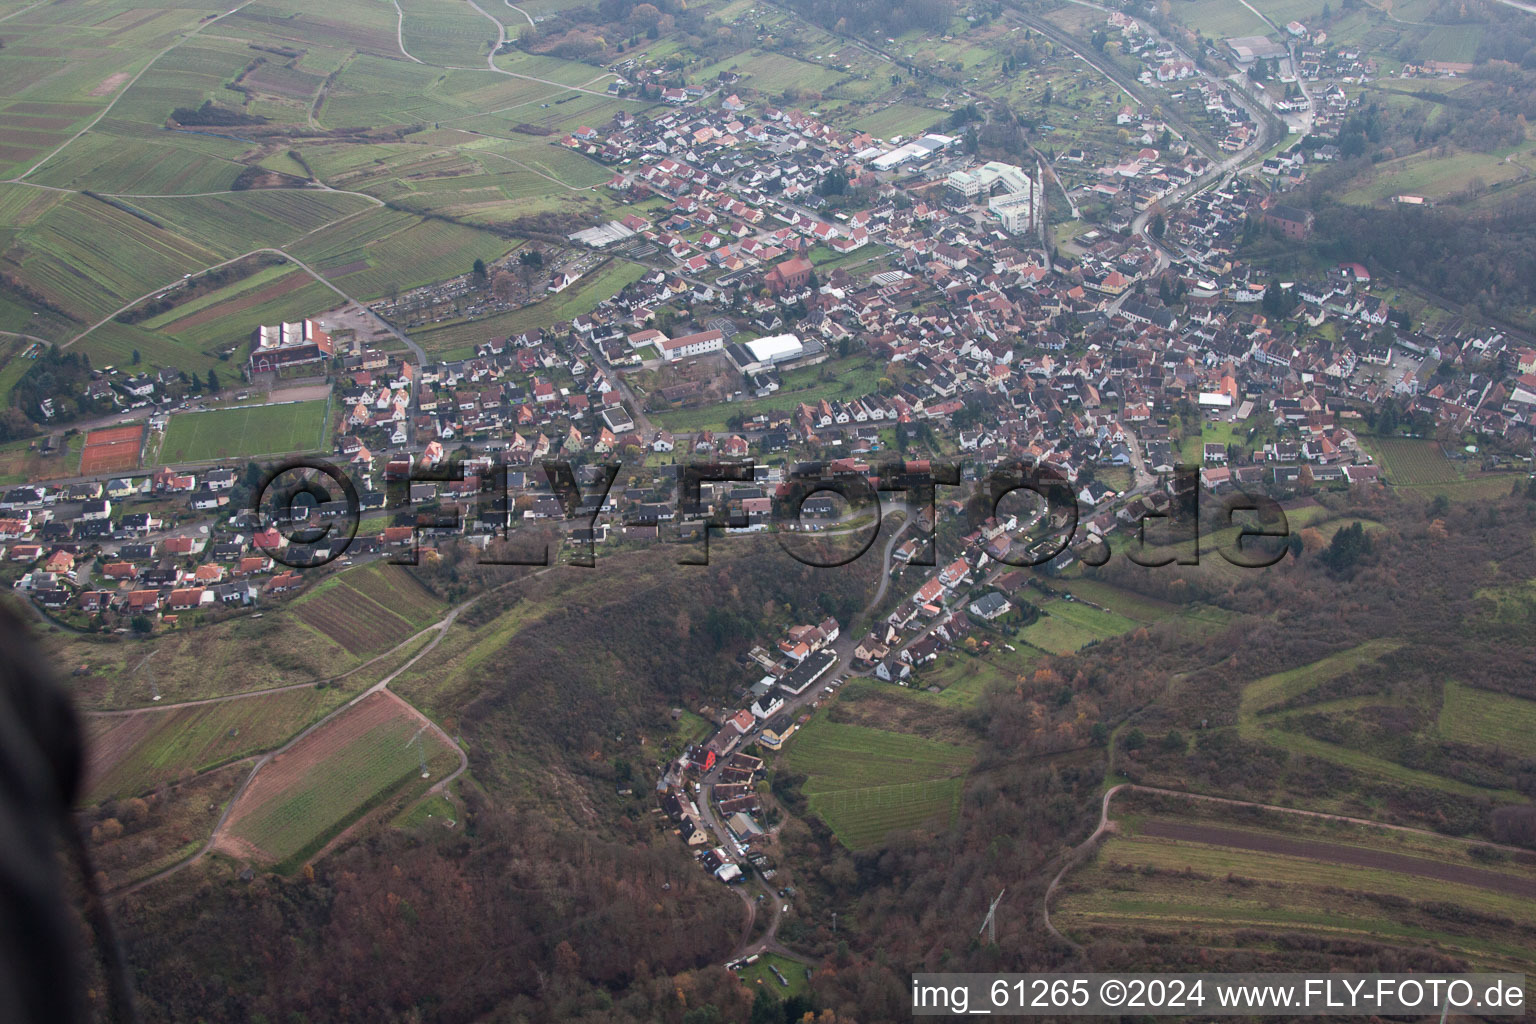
{"x":848,"y":638}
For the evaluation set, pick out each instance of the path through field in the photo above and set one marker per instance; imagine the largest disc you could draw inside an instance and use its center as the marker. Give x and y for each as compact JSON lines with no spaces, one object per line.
{"x":219,"y":836}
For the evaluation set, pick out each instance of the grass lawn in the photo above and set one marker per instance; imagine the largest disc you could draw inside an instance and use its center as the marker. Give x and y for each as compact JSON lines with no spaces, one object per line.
{"x":866,"y":783}
{"x":244,"y":432}
{"x":334,"y":775}
{"x":757,"y":974}
{"x":1434,"y":177}
{"x":1067,"y":626}
{"x":1264,"y":694}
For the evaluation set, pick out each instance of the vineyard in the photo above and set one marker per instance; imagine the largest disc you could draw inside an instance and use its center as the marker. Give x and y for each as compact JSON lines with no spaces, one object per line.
{"x":131,"y":754}
{"x":306,"y":795}
{"x":866,"y":783}
{"x":371,"y":609}
{"x":1411,"y":462}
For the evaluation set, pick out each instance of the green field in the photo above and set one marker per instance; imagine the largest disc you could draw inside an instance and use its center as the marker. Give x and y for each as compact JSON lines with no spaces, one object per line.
{"x":246,"y":432}
{"x":1068,"y":626}
{"x":1484,"y":718}
{"x":757,"y":975}
{"x":334,"y":775}
{"x":1431,"y":176}
{"x":1264,"y":694}
{"x":1198,"y":895}
{"x":898,"y":119}
{"x":168,"y":744}
{"x":1259,"y":719}
{"x":866,"y":783}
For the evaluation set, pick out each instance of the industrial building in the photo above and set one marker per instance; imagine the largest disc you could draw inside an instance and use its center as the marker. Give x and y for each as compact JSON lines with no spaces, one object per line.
{"x":916,"y":150}
{"x":1010,"y":192}
{"x":290,"y":344}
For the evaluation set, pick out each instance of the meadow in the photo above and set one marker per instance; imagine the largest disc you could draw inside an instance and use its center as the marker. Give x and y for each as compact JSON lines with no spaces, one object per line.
{"x":794,"y":972}
{"x":1267,"y":706}
{"x":247,"y":431}
{"x":1068,"y":626}
{"x":1484,"y":718}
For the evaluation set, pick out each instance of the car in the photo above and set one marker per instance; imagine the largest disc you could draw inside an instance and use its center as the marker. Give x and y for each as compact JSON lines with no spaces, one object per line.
{"x":786,"y":909}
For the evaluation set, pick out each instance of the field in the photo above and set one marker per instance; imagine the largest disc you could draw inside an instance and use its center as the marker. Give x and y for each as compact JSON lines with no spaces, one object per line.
{"x":580,"y":298}
{"x":308,"y":793}
{"x":866,"y":783}
{"x":850,"y":378}
{"x":369,"y":609}
{"x":1411,"y":462}
{"x":1262,"y":715}
{"x":233,"y":656}
{"x":246,"y":432}
{"x":135,"y":752}
{"x":758,"y":974}
{"x":898,"y":119}
{"x":1067,"y":626}
{"x":1484,"y":718}
{"x":112,"y":450}
{"x":1201,"y":879}
{"x":1434,"y":177}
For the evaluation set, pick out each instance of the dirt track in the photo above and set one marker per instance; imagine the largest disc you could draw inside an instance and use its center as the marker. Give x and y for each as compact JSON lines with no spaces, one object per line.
{"x":1335,"y":853}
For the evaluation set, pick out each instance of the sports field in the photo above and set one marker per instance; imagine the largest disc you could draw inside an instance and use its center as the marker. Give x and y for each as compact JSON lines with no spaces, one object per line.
{"x":112,"y":449}
{"x":239,"y":433}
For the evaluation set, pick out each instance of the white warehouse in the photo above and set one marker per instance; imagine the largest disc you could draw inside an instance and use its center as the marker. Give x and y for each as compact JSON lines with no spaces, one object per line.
{"x":777,"y":348}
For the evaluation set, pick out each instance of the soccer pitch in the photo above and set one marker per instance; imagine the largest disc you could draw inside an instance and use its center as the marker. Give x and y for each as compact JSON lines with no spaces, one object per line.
{"x":250,"y":431}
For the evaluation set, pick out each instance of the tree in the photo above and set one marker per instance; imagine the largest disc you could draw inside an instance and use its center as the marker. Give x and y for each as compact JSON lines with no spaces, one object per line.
{"x":765,"y":1008}
{"x":1134,"y":740}
{"x":135,"y":357}
{"x":141,"y":624}
{"x":504,"y":287}
{"x":531,"y":258}
{"x":213,"y":380}
{"x":479,"y":270}
{"x":1275,"y":303}
{"x":1159,"y":225}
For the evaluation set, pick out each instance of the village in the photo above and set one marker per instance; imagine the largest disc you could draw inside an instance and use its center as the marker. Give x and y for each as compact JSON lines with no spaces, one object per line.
{"x":775,"y":253}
